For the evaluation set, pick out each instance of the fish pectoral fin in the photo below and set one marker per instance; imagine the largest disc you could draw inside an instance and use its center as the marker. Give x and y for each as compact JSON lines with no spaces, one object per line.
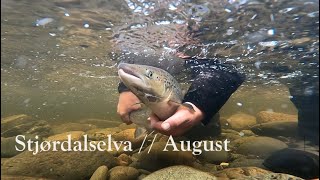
{"x":140,"y":132}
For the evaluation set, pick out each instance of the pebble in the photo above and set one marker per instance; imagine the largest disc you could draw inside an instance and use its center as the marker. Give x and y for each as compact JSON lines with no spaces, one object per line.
{"x":277,"y":128}
{"x":258,"y":146}
{"x":123,"y":172}
{"x":295,"y":162}
{"x":57,"y":164}
{"x":267,"y":116}
{"x":124,"y":159}
{"x":75,"y":136}
{"x":158,"y":159}
{"x":180,"y":172}
{"x":240,"y":173}
{"x":100,"y":174}
{"x":241,"y":121}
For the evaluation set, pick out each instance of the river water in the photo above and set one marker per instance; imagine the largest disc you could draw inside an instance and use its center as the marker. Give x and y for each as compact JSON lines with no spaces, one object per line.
{"x":65,"y":68}
{"x":59,"y":58}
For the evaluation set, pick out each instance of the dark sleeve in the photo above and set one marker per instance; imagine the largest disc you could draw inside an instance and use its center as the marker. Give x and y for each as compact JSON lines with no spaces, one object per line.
{"x":211,"y":88}
{"x":122,"y":87}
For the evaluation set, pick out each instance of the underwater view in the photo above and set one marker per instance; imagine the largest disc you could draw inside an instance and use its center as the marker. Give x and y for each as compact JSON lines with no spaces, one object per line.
{"x":159,"y":89}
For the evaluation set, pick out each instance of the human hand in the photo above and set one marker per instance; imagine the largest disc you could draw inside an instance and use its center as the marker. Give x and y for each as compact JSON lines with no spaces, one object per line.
{"x":179,"y":123}
{"x":128,"y":102}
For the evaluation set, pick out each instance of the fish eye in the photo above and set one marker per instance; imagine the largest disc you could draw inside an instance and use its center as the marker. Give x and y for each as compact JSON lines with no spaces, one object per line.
{"x":149,"y":74}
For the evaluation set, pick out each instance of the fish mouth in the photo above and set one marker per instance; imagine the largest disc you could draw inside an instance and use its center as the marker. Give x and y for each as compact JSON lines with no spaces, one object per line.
{"x":128,"y":70}
{"x":125,"y":76}
{"x":130,"y":76}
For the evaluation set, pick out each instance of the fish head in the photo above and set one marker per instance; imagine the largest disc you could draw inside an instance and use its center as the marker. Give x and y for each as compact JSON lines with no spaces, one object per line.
{"x":149,"y":83}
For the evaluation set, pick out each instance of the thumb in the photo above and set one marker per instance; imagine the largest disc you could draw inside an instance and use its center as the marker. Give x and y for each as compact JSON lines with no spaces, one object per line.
{"x":175,"y":121}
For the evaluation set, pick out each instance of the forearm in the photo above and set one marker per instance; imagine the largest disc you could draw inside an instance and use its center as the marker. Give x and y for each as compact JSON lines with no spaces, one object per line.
{"x":211,"y":89}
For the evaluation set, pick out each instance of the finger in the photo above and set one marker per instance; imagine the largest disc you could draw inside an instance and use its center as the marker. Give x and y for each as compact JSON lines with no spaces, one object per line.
{"x":126,"y":118}
{"x":155,"y":122}
{"x":173,"y":122}
{"x":172,"y":126}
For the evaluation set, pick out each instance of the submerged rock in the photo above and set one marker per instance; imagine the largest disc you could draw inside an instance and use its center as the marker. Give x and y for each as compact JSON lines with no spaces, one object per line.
{"x":124,"y":159}
{"x":40,"y":128}
{"x":100,"y":134}
{"x":258,"y":146}
{"x":240,"y":173}
{"x":101,"y":123}
{"x":123,"y":172}
{"x":245,"y":162}
{"x":180,"y":172}
{"x":124,"y":126}
{"x":278,"y":128}
{"x":3,"y":160}
{"x":229,"y":136}
{"x":13,"y":177}
{"x":246,"y":133}
{"x":215,"y":157}
{"x":100,"y":174}
{"x":295,"y":162}
{"x":15,"y":120}
{"x":267,"y":116}
{"x":61,"y":128}
{"x":128,"y":135}
{"x":277,"y":176}
{"x":24,"y":124}
{"x":141,"y":177}
{"x":206,"y":167}
{"x":8,"y":145}
{"x":157,"y":158}
{"x":57,"y":164}
{"x":75,"y":136}
{"x":241,"y":121}
{"x":142,"y":171}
